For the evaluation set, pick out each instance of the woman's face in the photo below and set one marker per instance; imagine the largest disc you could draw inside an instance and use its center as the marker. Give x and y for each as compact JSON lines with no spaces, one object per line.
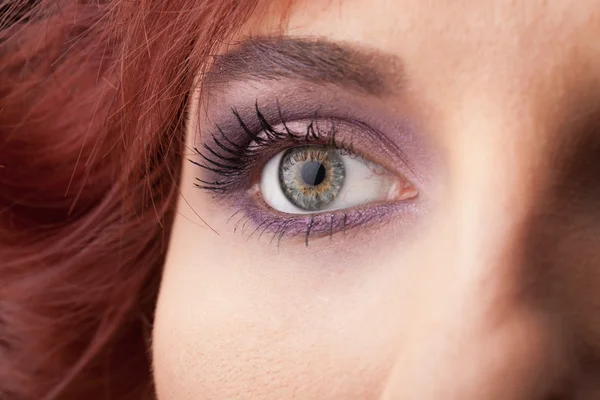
{"x":391,"y":199}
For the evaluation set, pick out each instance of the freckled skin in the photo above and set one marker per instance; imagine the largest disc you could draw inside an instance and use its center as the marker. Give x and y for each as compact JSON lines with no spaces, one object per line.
{"x":491,"y":292}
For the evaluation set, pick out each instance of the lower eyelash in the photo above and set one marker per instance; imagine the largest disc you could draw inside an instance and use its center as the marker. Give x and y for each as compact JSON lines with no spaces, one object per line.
{"x":305,"y":227}
{"x":320,"y":225}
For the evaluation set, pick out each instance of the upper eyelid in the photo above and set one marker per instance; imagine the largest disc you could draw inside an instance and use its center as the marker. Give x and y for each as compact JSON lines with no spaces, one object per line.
{"x":393,"y":120}
{"x":228,"y":176}
{"x":403,"y":144}
{"x":246,"y":118}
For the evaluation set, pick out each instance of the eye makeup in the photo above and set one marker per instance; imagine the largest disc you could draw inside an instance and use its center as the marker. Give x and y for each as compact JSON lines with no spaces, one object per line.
{"x":237,"y":142}
{"x":255,"y":220}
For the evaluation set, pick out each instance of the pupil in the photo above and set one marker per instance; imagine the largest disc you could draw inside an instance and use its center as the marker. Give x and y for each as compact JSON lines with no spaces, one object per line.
{"x":313,"y":173}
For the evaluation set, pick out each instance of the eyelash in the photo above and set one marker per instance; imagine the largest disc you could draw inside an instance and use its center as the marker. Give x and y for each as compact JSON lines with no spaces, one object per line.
{"x":230,"y":161}
{"x":235,"y":164}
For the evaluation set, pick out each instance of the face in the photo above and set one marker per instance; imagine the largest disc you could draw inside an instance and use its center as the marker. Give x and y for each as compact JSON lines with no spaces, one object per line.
{"x":391,"y":200}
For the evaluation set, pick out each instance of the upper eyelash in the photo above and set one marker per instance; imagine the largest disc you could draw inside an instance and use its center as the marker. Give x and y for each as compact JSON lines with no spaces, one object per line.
{"x":229,"y":160}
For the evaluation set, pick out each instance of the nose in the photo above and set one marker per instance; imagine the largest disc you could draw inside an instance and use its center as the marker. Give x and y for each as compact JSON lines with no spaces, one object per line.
{"x":482,"y":328}
{"x":468,"y":356}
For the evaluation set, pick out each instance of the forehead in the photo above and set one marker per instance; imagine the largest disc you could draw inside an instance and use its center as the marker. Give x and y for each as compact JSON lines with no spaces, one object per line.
{"x":464,"y":34}
{"x":456,"y":36}
{"x":452,"y":18}
{"x":540,"y":56}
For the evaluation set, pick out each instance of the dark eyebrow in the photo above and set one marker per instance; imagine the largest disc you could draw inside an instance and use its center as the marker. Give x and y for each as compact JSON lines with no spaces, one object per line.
{"x":315,"y":60}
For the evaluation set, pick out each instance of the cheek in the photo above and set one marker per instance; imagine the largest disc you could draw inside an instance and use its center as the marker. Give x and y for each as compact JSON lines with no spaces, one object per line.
{"x":272,"y":327}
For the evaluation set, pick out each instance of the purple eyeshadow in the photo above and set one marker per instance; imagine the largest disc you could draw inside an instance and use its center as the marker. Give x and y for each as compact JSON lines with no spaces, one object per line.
{"x":236,"y":143}
{"x":255,"y":219}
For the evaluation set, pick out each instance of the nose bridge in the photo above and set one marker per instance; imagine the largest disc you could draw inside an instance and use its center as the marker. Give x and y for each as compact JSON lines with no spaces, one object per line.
{"x":481,"y":335}
{"x":493,"y":201}
{"x":496,"y":174}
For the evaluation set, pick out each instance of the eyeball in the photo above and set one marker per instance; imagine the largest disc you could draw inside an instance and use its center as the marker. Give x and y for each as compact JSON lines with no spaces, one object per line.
{"x":313,"y":179}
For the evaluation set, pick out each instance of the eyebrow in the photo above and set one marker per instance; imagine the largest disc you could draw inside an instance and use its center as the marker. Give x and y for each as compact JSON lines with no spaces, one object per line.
{"x":314,"y":60}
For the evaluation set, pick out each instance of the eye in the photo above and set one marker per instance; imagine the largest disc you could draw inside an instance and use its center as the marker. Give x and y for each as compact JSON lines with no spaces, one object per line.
{"x":313,"y":179}
{"x":303,"y":178}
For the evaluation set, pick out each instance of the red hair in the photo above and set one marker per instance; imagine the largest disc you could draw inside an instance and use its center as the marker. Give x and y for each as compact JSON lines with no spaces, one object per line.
{"x":92,"y":106}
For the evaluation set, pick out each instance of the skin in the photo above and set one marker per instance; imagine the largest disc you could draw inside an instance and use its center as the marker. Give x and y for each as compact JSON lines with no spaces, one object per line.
{"x":490,"y":291}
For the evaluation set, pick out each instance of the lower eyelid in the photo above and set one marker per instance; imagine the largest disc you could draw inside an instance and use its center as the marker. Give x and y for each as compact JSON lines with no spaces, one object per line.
{"x":256,"y":220}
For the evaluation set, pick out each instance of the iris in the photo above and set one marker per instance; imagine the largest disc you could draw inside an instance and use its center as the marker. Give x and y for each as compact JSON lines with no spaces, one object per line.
{"x":311,"y":176}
